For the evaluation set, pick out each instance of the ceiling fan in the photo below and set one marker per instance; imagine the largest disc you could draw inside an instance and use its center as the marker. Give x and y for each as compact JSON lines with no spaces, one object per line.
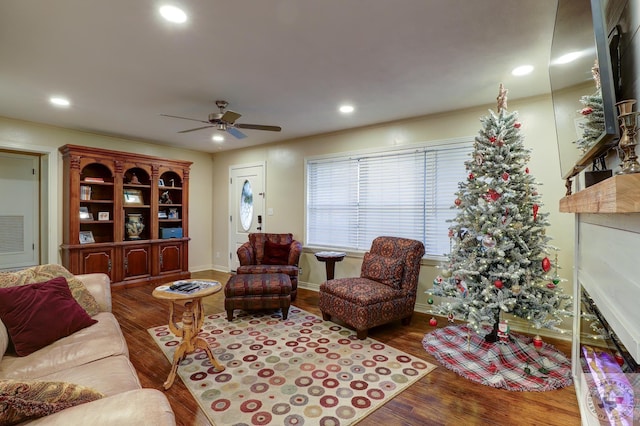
{"x":225,"y":121}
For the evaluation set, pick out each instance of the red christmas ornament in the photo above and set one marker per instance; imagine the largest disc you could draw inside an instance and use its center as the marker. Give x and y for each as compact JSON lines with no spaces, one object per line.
{"x":492,"y":195}
{"x":586,"y":111}
{"x":433,"y":322}
{"x":505,"y":176}
{"x":498,"y":284}
{"x":526,"y":170}
{"x":537,"y":342}
{"x":471,"y":176}
{"x":517,"y":124}
{"x":546,"y":264}
{"x":457,"y":202}
{"x":535,"y":212}
{"x":492,"y":139}
{"x":551,"y":286}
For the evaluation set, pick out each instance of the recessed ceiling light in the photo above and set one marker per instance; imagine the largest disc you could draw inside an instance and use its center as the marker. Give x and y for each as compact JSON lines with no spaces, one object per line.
{"x":59,"y":101}
{"x":522,"y":70}
{"x":569,"y":57}
{"x":218,"y":138}
{"x":173,"y":14}
{"x":346,"y":109}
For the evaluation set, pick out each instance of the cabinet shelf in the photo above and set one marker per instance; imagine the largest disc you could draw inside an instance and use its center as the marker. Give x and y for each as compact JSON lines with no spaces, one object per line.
{"x":89,"y":182}
{"x":618,"y":194}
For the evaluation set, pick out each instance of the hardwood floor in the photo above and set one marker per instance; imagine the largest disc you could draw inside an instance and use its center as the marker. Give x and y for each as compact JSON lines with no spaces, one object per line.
{"x":440,"y":398}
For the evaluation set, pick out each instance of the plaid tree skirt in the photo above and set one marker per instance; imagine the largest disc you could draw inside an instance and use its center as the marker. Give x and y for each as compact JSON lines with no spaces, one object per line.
{"x":515,"y":366}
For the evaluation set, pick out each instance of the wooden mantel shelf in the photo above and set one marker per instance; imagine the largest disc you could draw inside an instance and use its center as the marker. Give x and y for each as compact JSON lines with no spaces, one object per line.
{"x":618,"y":194}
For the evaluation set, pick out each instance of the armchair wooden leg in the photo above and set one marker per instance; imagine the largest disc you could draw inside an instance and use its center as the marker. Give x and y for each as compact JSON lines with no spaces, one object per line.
{"x":406,"y":320}
{"x":362,"y":334}
{"x":229,"y":314}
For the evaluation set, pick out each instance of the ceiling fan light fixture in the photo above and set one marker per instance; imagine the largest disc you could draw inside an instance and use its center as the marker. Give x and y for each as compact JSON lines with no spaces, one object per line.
{"x":218,"y":138}
{"x":173,"y":14}
{"x":221,"y":126}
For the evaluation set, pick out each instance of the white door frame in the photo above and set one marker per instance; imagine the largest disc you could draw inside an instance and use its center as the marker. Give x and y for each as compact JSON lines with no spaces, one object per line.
{"x":50,"y":190}
{"x":23,"y":184}
{"x":258,"y":198}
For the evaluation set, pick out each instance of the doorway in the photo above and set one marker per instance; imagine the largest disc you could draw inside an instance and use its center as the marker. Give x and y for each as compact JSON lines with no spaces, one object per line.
{"x":246,"y":206}
{"x":19,"y":217}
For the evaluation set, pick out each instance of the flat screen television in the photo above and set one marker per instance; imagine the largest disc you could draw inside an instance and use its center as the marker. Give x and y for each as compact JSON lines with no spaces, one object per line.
{"x":580,"y":30}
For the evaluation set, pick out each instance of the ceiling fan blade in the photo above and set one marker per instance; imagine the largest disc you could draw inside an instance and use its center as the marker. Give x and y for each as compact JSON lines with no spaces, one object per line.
{"x":193,"y":130}
{"x":258,"y":127}
{"x":184,"y":118}
{"x":236,"y":133}
{"x":230,"y":116}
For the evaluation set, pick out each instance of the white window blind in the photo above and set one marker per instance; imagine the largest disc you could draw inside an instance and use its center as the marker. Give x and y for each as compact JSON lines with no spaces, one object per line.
{"x":403,"y":193}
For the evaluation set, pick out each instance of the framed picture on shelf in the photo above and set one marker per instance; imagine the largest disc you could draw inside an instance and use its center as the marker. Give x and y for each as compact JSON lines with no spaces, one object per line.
{"x":160,"y":182}
{"x":162,"y":214}
{"x":133,"y":197}
{"x":84,"y":214}
{"x":103,"y":215}
{"x":173,"y":213}
{"x":86,"y":237}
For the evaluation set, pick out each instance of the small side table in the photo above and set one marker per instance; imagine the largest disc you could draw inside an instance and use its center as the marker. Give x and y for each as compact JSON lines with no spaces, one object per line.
{"x":192,"y":320}
{"x":330,"y":258}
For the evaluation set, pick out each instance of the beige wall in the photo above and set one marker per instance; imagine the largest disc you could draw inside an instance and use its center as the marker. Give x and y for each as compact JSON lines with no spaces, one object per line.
{"x":25,"y":136}
{"x":285,"y":179}
{"x":284,"y":185}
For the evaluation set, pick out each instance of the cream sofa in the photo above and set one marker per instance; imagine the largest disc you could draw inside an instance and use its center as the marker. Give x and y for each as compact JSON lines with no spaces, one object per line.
{"x":96,"y":357}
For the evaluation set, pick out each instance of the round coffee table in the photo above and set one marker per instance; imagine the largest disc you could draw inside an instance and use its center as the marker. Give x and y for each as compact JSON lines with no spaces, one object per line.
{"x":192,"y":320}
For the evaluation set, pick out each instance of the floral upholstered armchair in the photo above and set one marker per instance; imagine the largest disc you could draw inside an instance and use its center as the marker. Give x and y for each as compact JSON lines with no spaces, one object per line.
{"x":384,"y":292}
{"x":271,"y":254}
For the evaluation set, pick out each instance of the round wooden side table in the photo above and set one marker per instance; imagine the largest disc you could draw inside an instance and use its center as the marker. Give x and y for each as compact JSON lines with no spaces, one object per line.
{"x":192,"y":320}
{"x":330,"y":258}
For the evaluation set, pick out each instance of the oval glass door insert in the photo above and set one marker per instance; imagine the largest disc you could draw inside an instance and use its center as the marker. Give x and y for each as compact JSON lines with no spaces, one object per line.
{"x":246,"y":206}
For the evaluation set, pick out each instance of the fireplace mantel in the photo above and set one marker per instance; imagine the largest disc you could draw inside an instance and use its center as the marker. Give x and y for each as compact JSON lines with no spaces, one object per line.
{"x":618,"y":194}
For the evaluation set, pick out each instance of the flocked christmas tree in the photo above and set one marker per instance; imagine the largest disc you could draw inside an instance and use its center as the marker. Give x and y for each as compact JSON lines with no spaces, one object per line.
{"x":593,"y":111}
{"x":499,"y":260}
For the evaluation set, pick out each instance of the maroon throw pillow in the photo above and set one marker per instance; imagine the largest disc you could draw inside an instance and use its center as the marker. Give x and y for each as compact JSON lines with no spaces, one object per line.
{"x":37,"y":315}
{"x":385,"y":270}
{"x":275,"y":254}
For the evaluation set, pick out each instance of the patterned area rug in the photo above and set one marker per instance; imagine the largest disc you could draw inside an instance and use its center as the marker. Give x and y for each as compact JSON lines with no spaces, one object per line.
{"x":301,"y":371}
{"x":516,"y":366}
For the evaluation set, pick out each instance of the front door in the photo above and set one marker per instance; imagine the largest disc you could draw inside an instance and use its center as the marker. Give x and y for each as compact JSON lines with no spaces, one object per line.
{"x":246,"y":199}
{"x":19,"y":210}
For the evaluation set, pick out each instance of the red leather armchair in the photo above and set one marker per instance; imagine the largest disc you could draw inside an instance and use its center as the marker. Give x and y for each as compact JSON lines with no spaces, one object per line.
{"x":266,"y":253}
{"x":384,"y":292}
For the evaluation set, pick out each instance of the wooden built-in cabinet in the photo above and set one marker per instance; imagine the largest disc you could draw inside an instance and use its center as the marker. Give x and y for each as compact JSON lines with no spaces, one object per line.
{"x":105,"y":190}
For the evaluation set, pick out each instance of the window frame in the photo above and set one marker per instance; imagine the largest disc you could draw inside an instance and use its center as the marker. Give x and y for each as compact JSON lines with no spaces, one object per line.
{"x":424,"y":147}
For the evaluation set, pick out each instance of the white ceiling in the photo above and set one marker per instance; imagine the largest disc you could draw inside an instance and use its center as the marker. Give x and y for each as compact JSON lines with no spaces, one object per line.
{"x":278,"y":62}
